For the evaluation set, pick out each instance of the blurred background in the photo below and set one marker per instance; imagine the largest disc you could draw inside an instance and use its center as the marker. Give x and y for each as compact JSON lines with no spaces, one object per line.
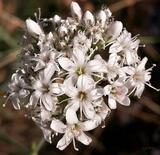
{"x":133,"y":130}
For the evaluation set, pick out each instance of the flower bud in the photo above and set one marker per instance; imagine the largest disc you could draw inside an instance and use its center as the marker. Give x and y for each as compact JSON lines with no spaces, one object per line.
{"x":88,"y":18}
{"x":33,"y":27}
{"x":115,"y":29}
{"x":76,"y":10}
{"x":56,"y":19}
{"x":63,"y":31}
{"x":108,"y":13}
{"x":102,"y":18}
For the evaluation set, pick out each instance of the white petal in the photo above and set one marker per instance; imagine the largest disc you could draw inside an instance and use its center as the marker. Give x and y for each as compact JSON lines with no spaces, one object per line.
{"x":125,"y":101}
{"x":129,"y":57}
{"x":107,"y":89}
{"x":88,"y":110}
{"x":83,"y":138}
{"x":73,"y":105}
{"x":57,"y":89}
{"x":48,"y":102}
{"x":78,"y":56}
{"x":58,"y":126}
{"x":129,"y":70}
{"x":48,"y":72}
{"x":45,"y":115}
{"x":67,"y":64}
{"x":85,"y":83}
{"x":112,"y":103}
{"x":70,"y":90}
{"x":96,"y":94}
{"x":142,"y":64}
{"x":34,"y":98}
{"x":105,"y":111}
{"x":64,"y":142}
{"x":89,"y":125}
{"x":95,"y":66}
{"x":71,"y":116}
{"x":47,"y":134}
{"x":139,"y":90}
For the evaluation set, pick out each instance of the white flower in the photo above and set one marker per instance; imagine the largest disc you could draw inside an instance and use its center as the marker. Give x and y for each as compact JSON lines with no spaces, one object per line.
{"x":82,"y":95}
{"x":102,"y":111}
{"x":126,"y":47}
{"x":17,"y":90}
{"x":45,"y":91}
{"x":76,"y":10}
{"x":70,"y":67}
{"x":33,"y":27}
{"x":117,"y":92}
{"x":139,"y":76}
{"x":79,"y":64}
{"x":46,"y":58}
{"x":81,"y":42}
{"x":74,"y":129}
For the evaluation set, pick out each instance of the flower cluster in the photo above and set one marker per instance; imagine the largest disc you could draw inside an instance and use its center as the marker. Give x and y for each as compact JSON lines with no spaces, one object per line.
{"x":74,"y":71}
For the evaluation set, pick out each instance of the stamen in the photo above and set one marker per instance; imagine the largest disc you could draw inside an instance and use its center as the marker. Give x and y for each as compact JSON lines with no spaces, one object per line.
{"x":74,"y":145}
{"x":4,"y":105}
{"x":150,"y":69}
{"x":131,"y":91}
{"x":64,"y":100}
{"x":103,"y":124}
{"x":81,"y":115}
{"x":148,"y":84}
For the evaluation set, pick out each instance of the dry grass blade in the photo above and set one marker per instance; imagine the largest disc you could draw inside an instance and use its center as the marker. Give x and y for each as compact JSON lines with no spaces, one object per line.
{"x":10,"y":58}
{"x":147,"y":102}
{"x":122,"y":4}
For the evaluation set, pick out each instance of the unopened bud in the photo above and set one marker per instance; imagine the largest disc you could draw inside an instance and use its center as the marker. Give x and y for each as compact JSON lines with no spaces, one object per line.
{"x":33,"y":27}
{"x":56,"y":19}
{"x":115,"y":29}
{"x":102,"y":18}
{"x":88,"y":18}
{"x":76,"y":10}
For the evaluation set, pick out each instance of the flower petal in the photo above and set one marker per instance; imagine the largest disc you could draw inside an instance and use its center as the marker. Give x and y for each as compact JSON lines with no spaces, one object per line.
{"x":88,"y":110}
{"x":71,"y":116}
{"x":96,"y":94}
{"x":48,"y":102}
{"x":95,"y":65}
{"x":78,"y":56}
{"x":66,"y":64}
{"x":64,"y":142}
{"x":125,"y":101}
{"x":83,"y":138}
{"x":88,"y":125}
{"x":112,"y":103}
{"x":58,"y":126}
{"x":85,"y":83}
{"x":57,"y":89}
{"x":70,"y":89}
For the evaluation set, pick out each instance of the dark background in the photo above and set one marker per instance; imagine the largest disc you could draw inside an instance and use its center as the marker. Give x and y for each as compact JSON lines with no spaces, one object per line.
{"x":133,"y":130}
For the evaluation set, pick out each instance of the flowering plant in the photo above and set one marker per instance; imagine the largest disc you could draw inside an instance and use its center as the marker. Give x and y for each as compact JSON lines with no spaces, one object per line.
{"x":74,"y":71}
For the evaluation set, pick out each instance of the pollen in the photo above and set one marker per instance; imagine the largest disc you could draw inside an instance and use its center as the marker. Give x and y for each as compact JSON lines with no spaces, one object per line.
{"x":82,"y":95}
{"x":80,"y":71}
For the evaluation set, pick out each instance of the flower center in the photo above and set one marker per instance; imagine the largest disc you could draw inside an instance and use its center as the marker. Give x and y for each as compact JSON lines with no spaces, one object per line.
{"x":80,"y":71}
{"x":82,"y":95}
{"x":45,"y":88}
